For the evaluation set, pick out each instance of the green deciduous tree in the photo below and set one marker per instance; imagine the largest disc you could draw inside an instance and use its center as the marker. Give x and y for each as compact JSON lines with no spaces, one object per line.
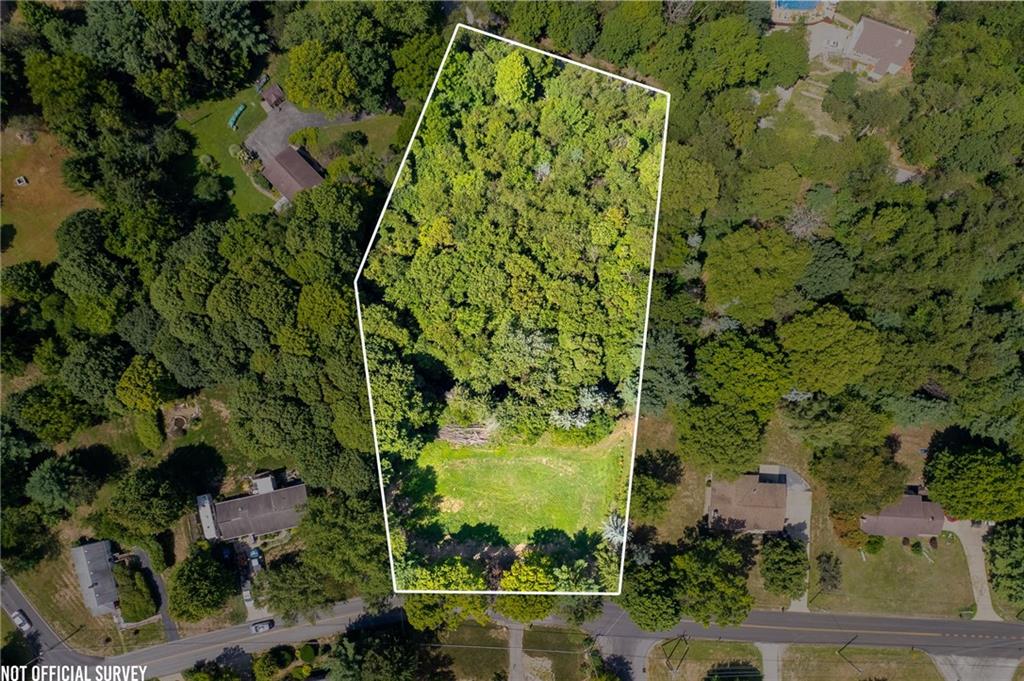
{"x":514,"y":81}
{"x":60,"y":485}
{"x":726,"y":52}
{"x":749,"y":269}
{"x":649,"y":596}
{"x":786,"y":53}
{"x":977,"y":482}
{"x":143,"y":385}
{"x":526,"y":575}
{"x":291,"y":588}
{"x":144,"y":502}
{"x":784,"y":566}
{"x":860,"y":479}
{"x":743,"y":373}
{"x":1004,"y":547}
{"x":713,"y":565}
{"x":200,"y":586}
{"x":320,"y":78}
{"x":719,"y":439}
{"x":829,"y":351}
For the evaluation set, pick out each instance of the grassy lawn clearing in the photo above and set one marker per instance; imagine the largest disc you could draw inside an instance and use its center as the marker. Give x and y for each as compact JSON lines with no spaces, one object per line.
{"x":209,"y":123}
{"x":35,"y":210}
{"x":554,"y":654}
{"x":477,"y":653}
{"x":676,"y":661}
{"x":801,"y":662}
{"x":913,"y":16}
{"x":380,"y":131}
{"x":686,"y":506}
{"x":942,"y":588}
{"x":522,"y":488}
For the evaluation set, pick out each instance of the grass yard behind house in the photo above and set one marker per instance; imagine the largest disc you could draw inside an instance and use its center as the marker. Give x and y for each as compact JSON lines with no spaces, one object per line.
{"x":478,"y":653}
{"x":209,"y":123}
{"x":522,"y":488}
{"x":802,"y":662}
{"x":675,"y":660}
{"x":37,"y":209}
{"x":913,"y":16}
{"x":380,"y":131}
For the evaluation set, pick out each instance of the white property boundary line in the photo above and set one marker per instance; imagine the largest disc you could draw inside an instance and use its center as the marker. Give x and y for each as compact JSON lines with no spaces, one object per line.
{"x":643,"y":346}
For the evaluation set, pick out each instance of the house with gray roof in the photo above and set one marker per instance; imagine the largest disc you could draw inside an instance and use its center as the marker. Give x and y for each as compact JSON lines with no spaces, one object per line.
{"x":267,"y":510}
{"x":879,"y":47}
{"x":94,"y":566}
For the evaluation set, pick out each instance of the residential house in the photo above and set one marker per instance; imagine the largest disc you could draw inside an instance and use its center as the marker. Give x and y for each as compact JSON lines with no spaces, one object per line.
{"x":267,"y":510}
{"x":94,"y":566}
{"x":879,"y":48}
{"x":289,"y":172}
{"x":755,"y":503}
{"x":912,"y":516}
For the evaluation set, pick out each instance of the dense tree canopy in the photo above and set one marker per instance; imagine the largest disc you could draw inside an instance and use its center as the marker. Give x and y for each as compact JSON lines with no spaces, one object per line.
{"x":544,"y":287}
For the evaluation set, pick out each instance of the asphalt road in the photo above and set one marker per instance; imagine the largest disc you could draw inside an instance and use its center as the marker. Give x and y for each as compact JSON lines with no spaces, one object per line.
{"x":1000,"y":643}
{"x":616,"y":634}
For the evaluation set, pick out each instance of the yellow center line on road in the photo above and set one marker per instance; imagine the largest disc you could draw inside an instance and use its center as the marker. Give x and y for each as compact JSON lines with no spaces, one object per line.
{"x":870,"y":631}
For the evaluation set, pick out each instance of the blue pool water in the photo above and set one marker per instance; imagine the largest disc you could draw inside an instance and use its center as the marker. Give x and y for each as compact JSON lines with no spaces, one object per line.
{"x":796,"y":4}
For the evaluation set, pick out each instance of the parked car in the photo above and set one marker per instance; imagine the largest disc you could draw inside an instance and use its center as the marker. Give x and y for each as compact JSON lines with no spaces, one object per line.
{"x":255,"y":560}
{"x":260,"y":627}
{"x":247,"y":592}
{"x":21,"y":621}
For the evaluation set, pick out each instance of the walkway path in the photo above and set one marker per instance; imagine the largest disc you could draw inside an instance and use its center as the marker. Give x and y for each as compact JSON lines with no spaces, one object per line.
{"x":972,"y":539}
{"x":771,"y":660}
{"x":170,"y":628}
{"x":516,"y":661}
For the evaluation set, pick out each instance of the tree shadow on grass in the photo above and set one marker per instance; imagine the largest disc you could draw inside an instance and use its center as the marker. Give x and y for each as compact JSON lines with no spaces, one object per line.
{"x":7,"y":233}
{"x":101,"y":463}
{"x":194,"y":469}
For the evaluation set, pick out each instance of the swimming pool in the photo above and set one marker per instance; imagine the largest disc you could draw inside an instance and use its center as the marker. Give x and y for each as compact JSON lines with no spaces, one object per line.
{"x":796,"y":4}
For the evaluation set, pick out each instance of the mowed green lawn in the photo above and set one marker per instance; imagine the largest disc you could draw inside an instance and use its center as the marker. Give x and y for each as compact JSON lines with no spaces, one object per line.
{"x":522,"y":488}
{"x":209,"y":123}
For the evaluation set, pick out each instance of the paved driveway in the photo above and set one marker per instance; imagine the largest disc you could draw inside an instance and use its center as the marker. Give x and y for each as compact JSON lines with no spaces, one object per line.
{"x":271,"y":136}
{"x":972,"y":539}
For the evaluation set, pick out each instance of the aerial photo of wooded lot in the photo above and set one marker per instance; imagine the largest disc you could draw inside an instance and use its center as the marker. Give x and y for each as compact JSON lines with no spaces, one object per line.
{"x":504,"y":310}
{"x":828,"y":478}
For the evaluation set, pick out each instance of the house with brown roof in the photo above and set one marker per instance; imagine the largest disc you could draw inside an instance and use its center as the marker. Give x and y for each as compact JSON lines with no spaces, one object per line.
{"x":912,"y":516}
{"x":879,"y":48}
{"x":289,"y":172}
{"x":755,"y":502}
{"x":273,"y":95}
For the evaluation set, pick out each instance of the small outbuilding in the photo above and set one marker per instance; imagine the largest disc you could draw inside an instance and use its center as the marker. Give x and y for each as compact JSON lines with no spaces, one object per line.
{"x":289,"y":172}
{"x":273,"y":95}
{"x":912,"y":516}
{"x":94,"y":566}
{"x":755,"y":503}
